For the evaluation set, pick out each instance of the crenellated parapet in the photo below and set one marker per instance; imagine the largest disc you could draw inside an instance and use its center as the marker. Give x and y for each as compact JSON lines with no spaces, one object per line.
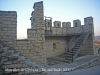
{"x":88,"y":20}
{"x":66,"y":24}
{"x":65,"y":28}
{"x":57,"y":24}
{"x":76,"y":23}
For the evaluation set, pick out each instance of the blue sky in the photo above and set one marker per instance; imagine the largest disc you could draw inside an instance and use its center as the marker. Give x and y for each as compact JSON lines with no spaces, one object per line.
{"x":60,"y":10}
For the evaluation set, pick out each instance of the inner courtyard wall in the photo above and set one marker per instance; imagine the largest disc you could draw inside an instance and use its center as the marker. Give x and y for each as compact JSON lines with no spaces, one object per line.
{"x":55,"y":46}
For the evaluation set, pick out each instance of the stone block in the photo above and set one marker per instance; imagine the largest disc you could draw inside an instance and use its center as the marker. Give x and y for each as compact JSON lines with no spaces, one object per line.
{"x":59,"y":30}
{"x":54,"y":30}
{"x":4,"y":60}
{"x":12,"y":66}
{"x":1,"y":50}
{"x":15,"y":61}
{"x":10,"y":52}
{"x":21,"y":58}
{"x":14,"y":56}
{"x":26,"y":51}
{"x":23,"y":47}
{"x":8,"y":62}
{"x":27,"y":64}
{"x":5,"y":49}
{"x":34,"y":38}
{"x":25,"y":54}
{"x":30,"y":55}
{"x":3,"y":54}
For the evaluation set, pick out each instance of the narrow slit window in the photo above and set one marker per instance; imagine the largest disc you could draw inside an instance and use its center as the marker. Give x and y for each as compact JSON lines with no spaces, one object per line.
{"x":54,"y":46}
{"x":75,"y":24}
{"x":48,"y":24}
{"x":58,"y":25}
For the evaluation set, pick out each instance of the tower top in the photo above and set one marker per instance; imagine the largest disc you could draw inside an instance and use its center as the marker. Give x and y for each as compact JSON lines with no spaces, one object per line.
{"x":41,"y":2}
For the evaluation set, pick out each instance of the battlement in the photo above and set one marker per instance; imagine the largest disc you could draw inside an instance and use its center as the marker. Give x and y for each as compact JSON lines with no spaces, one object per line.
{"x":8,"y":14}
{"x":62,"y":28}
{"x":66,"y":24}
{"x":58,"y":27}
{"x":65,"y":28}
{"x":36,"y":4}
{"x":76,"y":23}
{"x":88,"y":20}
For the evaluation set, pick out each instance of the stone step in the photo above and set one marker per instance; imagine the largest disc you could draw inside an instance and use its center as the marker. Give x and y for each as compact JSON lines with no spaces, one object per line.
{"x":78,"y":43}
{"x":68,"y":61}
{"x":74,"y":49}
{"x":69,"y":56}
{"x":77,"y":46}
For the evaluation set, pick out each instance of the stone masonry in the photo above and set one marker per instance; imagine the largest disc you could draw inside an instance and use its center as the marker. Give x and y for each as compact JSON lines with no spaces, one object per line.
{"x":44,"y":40}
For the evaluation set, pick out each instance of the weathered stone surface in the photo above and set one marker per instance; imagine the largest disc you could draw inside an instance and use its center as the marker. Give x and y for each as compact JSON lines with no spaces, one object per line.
{"x":14,"y":56}
{"x":1,"y":50}
{"x":21,"y":58}
{"x":4,"y":60}
{"x":8,"y":62}
{"x":38,"y":46}
{"x":10,"y":52}
{"x":12,"y":66}
{"x":4,"y":54}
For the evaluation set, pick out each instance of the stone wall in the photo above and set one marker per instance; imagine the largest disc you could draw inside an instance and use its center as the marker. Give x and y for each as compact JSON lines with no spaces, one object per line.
{"x":12,"y":63}
{"x":68,"y":30}
{"x":55,"y":46}
{"x":22,"y":47}
{"x":88,"y":47}
{"x":37,"y":44}
{"x":36,"y":36}
{"x":8,"y":27}
{"x":34,"y":46}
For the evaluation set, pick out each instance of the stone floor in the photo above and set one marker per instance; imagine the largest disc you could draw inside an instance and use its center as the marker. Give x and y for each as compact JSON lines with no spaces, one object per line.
{"x":89,"y":71}
{"x":53,"y":62}
{"x":59,"y":67}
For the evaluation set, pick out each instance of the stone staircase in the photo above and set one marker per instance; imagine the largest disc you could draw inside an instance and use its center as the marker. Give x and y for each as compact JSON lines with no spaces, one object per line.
{"x":76,"y":47}
{"x":13,"y":63}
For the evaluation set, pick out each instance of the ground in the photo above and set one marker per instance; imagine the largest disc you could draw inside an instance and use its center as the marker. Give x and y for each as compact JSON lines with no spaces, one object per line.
{"x":57,"y":63}
{"x":89,"y":71}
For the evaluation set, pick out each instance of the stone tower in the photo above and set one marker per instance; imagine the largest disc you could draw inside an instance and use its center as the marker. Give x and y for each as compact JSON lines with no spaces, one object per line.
{"x":37,"y":33}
